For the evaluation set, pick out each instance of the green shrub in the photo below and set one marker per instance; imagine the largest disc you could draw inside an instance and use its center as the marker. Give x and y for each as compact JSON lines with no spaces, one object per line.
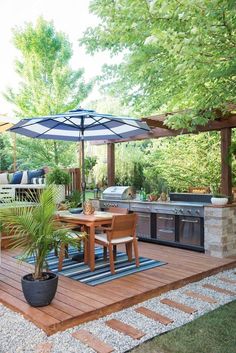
{"x":58,"y":176}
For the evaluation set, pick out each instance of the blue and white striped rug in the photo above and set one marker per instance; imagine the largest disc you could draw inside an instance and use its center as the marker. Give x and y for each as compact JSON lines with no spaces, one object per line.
{"x":81,"y":272}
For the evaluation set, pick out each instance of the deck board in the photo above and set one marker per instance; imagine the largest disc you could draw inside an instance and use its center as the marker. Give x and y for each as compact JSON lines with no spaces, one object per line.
{"x":76,"y":302}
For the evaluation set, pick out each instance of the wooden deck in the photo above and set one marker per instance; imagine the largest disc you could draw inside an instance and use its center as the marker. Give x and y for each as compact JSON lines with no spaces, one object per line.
{"x":76,"y":303}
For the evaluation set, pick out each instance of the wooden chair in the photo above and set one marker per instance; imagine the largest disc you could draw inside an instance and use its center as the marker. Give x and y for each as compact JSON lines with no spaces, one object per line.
{"x":75,"y":233}
{"x":122,"y":231}
{"x":118,"y":210}
{"x":77,"y":237}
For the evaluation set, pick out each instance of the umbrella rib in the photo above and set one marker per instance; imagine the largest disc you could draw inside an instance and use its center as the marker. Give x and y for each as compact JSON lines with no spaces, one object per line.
{"x":47,"y":119}
{"x":107,"y":127}
{"x":116,"y":119}
{"x":30,"y":124}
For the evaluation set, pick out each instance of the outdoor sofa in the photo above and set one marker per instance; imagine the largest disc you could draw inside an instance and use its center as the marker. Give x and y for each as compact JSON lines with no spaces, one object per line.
{"x":15,"y":186}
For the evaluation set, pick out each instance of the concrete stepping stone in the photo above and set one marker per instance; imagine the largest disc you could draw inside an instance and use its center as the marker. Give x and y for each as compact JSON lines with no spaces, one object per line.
{"x":44,"y":347}
{"x":202,"y":297}
{"x":125,"y":329}
{"x":92,"y":341}
{"x":154,"y":315}
{"x":185,"y":308}
{"x":219,"y":290}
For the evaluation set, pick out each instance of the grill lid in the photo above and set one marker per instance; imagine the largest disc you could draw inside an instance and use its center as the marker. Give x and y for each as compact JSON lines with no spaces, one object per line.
{"x":118,"y":193}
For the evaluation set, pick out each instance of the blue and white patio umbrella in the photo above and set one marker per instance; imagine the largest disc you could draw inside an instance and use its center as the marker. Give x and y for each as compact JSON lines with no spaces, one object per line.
{"x":80,"y":125}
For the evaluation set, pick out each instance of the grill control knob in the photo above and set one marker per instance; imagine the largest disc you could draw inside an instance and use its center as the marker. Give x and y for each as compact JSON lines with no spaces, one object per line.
{"x":181,"y":211}
{"x":189,"y":211}
{"x":176,"y":210}
{"x":197,"y":212}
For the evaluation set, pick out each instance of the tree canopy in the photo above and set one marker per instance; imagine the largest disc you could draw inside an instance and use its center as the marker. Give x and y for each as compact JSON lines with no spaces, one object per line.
{"x":177,"y":55}
{"x":48,"y":85}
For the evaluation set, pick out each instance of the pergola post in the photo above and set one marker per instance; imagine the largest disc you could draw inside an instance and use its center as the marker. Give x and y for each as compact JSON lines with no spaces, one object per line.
{"x":226,"y":170}
{"x":111,"y":164}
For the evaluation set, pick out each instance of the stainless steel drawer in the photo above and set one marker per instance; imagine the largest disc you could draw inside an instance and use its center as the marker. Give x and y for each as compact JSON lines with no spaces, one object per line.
{"x":139,"y":207}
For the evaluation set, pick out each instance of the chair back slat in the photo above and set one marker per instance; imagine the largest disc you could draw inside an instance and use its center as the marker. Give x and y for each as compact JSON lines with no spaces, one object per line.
{"x":118,"y":210}
{"x":123,"y":226}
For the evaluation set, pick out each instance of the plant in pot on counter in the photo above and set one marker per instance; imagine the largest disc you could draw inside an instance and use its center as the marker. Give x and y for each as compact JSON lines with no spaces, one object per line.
{"x":59,"y":178}
{"x":153,"y":196}
{"x":36,"y":232}
{"x":219,"y":199}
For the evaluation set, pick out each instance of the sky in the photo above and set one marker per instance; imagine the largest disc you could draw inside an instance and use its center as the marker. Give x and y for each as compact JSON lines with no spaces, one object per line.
{"x":69,"y":16}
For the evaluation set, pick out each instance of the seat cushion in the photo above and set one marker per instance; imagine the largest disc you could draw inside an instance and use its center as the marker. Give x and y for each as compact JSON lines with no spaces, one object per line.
{"x":103,"y":238}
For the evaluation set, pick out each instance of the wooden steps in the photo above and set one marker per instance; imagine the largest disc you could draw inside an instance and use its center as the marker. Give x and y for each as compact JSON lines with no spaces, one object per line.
{"x":227,"y":280}
{"x":44,"y":347}
{"x":202,"y":297}
{"x":125,"y":329}
{"x":76,"y":303}
{"x":219,"y":290}
{"x":92,"y":341}
{"x":154,"y":316}
{"x":182,"y":307}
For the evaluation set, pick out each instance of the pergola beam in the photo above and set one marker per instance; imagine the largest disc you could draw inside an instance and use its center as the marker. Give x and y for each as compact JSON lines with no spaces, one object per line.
{"x":157,"y":131}
{"x":224,"y":124}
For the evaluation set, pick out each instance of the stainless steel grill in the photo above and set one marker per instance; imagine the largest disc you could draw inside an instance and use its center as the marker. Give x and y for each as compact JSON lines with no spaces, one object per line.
{"x":118,"y":193}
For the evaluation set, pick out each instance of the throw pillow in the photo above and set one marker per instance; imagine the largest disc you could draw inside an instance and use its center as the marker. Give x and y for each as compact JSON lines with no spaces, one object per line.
{"x":17,"y":176}
{"x":4,"y":178}
{"x":39,"y":181}
{"x":24,"y":179}
{"x":35,"y":174}
{"x":10,"y":176}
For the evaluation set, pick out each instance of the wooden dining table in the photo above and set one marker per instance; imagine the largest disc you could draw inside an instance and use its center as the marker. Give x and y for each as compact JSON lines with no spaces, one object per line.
{"x":89,"y":222}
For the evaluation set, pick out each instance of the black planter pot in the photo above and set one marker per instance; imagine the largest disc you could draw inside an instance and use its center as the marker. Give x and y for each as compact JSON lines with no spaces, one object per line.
{"x":39,"y":292}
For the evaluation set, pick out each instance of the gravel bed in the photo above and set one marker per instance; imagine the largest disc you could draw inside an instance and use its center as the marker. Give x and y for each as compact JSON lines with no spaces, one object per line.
{"x":18,"y":335}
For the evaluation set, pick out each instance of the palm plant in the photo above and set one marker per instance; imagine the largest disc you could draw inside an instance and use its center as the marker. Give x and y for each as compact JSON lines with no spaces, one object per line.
{"x":35,"y":229}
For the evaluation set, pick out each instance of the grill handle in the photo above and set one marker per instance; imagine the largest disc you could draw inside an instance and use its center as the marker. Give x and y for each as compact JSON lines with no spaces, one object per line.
{"x":141,"y":209}
{"x":166,"y":218}
{"x":189,"y":221}
{"x":166,"y":230}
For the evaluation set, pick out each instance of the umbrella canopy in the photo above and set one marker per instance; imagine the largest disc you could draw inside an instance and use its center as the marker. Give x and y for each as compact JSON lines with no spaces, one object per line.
{"x":80,"y":125}
{"x":6,"y":123}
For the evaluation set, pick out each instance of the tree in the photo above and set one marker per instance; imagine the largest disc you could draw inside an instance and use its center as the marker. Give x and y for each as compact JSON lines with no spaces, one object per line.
{"x":6,"y":159}
{"x":177,"y":55}
{"x":185,"y":161}
{"x":48,"y":85}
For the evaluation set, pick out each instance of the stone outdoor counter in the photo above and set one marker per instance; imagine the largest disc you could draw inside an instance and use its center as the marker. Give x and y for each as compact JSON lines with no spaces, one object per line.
{"x":220,"y":230}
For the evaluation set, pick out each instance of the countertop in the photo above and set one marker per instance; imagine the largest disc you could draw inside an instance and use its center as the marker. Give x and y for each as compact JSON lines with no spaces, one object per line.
{"x":170,"y":203}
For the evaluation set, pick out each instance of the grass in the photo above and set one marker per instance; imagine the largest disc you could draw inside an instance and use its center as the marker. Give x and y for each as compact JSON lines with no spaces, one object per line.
{"x":214,"y":332}
{"x":89,"y":195}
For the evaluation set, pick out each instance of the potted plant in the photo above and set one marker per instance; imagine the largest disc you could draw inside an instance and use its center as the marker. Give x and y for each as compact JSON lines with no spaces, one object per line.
{"x":36,"y":232}
{"x":59,"y":178}
{"x":153,"y":196}
{"x":219,"y":199}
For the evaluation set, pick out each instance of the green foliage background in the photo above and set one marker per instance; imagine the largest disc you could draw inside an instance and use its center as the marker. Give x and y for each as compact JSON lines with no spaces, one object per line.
{"x":47,"y":86}
{"x":176,"y":55}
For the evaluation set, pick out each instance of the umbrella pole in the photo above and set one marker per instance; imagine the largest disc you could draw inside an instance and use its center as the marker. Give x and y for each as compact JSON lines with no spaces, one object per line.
{"x":83,"y":184}
{"x":14,"y":152}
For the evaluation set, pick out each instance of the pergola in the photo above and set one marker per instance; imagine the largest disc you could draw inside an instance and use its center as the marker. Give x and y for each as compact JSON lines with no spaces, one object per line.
{"x":224,"y":124}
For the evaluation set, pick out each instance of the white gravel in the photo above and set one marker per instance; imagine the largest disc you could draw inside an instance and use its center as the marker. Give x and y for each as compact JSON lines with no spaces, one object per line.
{"x":18,"y":335}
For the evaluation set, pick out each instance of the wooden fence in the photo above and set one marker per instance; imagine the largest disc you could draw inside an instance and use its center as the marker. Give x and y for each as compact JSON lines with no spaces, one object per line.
{"x":75,"y":180}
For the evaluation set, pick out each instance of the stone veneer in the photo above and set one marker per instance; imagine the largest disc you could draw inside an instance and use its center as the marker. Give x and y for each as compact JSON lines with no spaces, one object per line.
{"x":220,"y":230}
